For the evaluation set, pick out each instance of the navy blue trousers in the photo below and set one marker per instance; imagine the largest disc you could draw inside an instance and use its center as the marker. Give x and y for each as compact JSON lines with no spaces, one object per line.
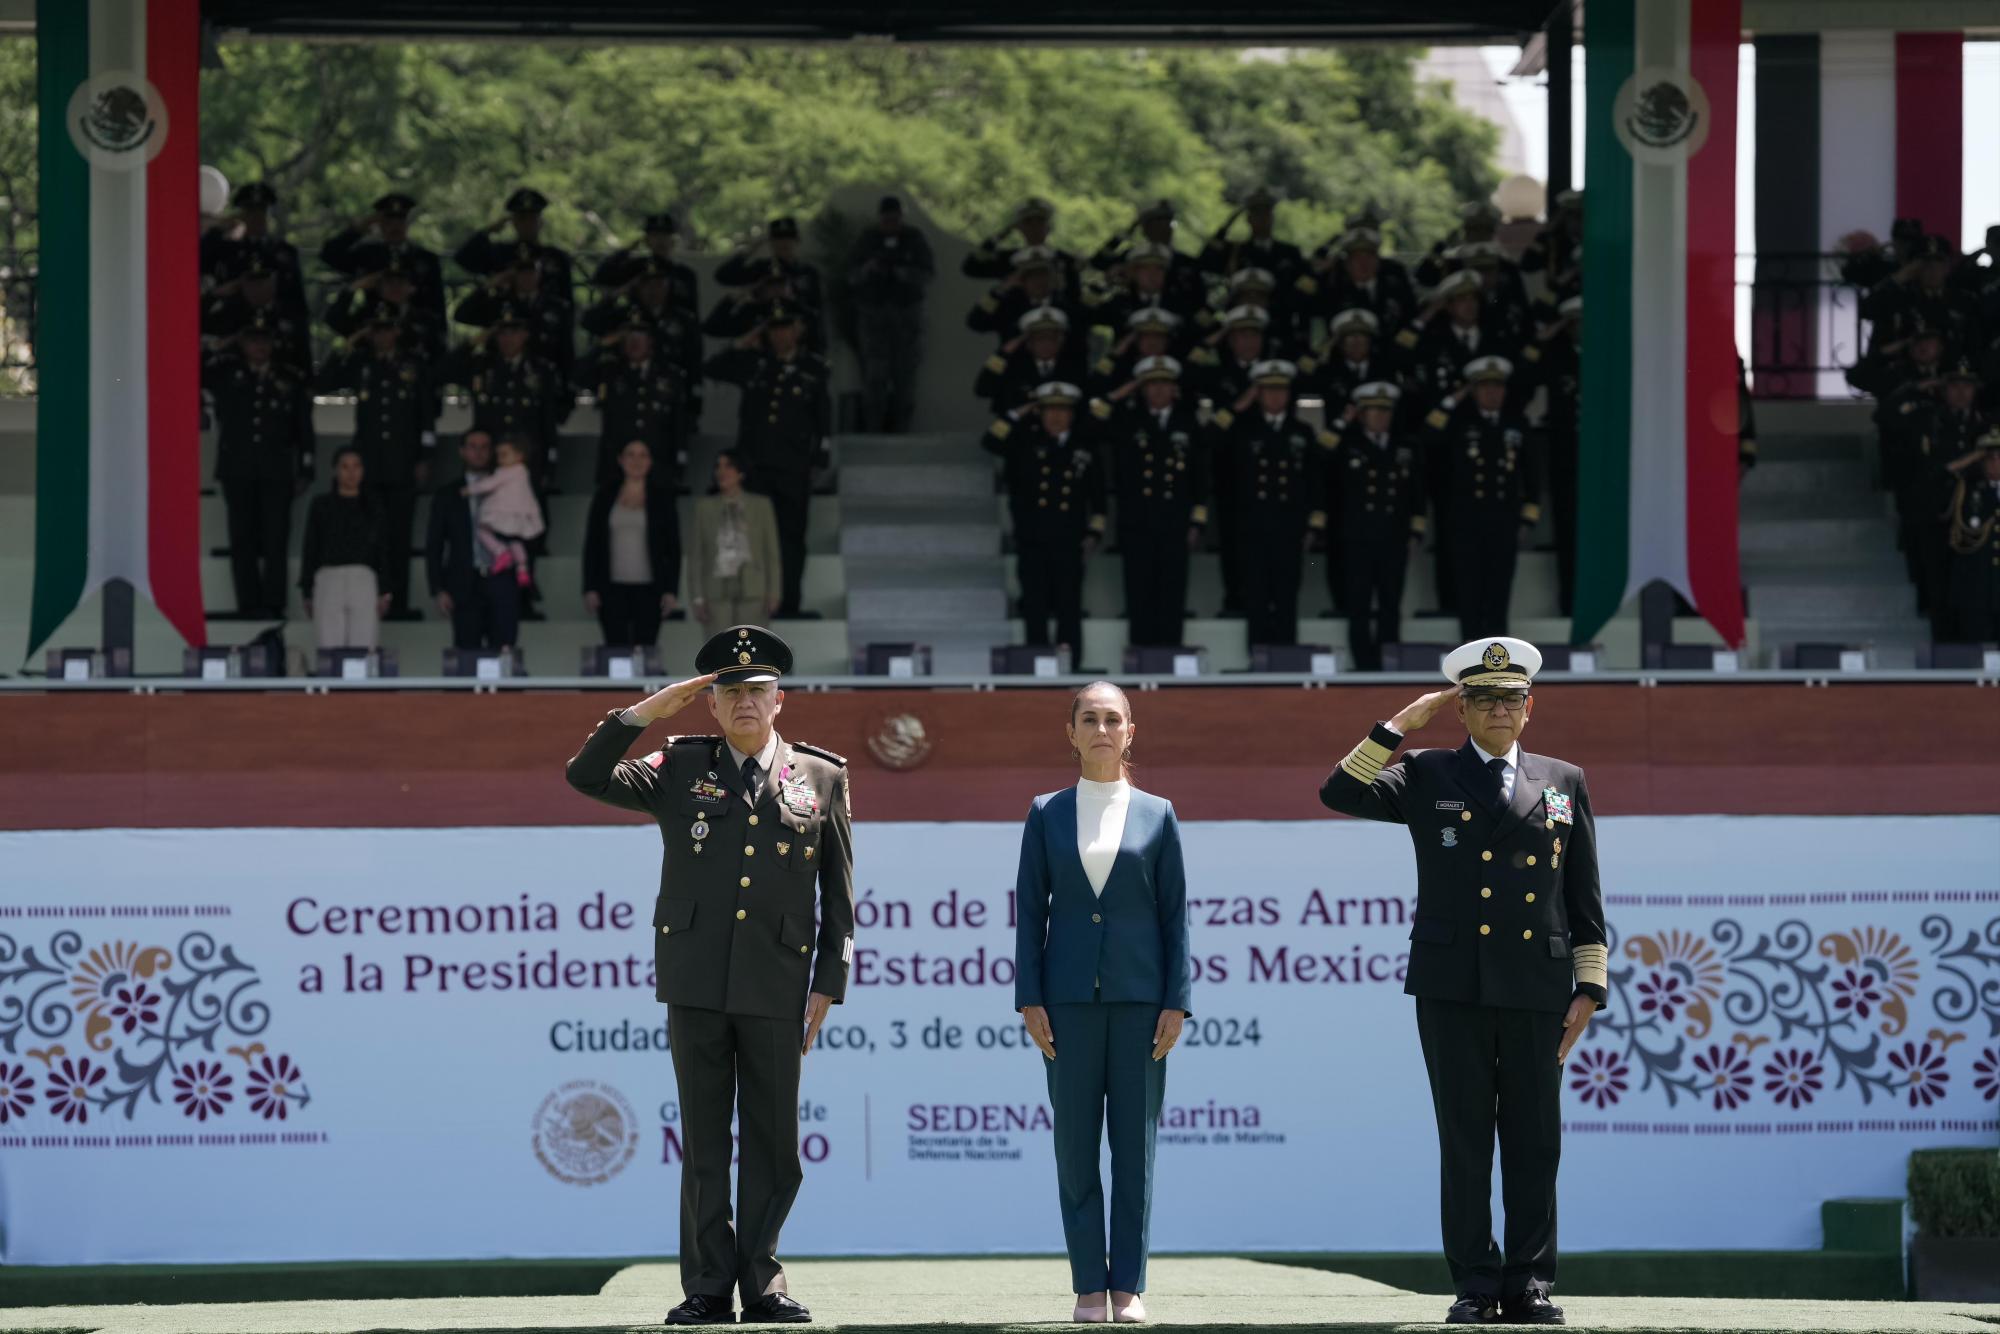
{"x":1104,"y":1074}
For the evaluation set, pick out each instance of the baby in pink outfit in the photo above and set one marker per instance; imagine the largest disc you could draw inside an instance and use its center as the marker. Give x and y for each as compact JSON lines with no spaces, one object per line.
{"x":508,"y":511}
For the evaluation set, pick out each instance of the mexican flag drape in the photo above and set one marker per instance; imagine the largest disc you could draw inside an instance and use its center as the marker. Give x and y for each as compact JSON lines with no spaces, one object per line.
{"x":117,"y":432}
{"x":1657,"y":482}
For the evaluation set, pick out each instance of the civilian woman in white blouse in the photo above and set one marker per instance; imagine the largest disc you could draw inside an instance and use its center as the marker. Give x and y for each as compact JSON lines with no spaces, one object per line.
{"x":1102,"y":979}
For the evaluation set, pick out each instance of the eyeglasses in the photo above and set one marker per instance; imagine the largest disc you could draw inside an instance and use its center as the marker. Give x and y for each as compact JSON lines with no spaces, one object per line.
{"x":1513,"y":702}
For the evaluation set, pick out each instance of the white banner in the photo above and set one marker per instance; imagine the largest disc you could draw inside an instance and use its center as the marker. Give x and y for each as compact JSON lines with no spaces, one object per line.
{"x":276,"y":1044}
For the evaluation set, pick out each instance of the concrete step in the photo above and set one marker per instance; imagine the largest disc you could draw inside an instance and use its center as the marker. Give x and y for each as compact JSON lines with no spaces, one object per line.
{"x":1832,"y":604}
{"x":891,"y":450}
{"x":1807,"y":477}
{"x":1843,"y":503}
{"x":1798,"y":537}
{"x":942,"y":480}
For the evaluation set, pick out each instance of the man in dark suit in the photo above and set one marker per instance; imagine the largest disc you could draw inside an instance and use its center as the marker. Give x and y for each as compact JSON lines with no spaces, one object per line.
{"x":733,"y":948}
{"x":484,"y":606}
{"x":1508,"y":959}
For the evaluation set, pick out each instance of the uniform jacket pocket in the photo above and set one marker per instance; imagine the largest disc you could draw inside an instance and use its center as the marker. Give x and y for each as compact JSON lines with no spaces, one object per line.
{"x":795,"y":933}
{"x":672,"y":915}
{"x":1558,"y":948}
{"x":1432,"y":930}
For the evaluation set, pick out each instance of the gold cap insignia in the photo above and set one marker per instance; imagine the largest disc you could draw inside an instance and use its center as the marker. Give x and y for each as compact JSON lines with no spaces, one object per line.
{"x":744,"y":657}
{"x":784,"y":849}
{"x":1495,"y":657}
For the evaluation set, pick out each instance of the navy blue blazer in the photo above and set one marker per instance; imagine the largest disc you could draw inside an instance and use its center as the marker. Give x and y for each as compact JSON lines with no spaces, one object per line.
{"x":1131,"y":944}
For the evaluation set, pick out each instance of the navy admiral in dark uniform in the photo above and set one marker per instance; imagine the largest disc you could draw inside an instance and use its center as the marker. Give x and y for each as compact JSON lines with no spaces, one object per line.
{"x":755,"y":829}
{"x":1156,"y":456}
{"x":1507,"y":959}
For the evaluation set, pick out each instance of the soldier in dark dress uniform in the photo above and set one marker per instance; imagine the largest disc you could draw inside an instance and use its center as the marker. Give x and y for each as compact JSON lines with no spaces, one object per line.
{"x":1044,"y":350}
{"x":224,"y":258}
{"x":1219,"y":372}
{"x":1351,"y":356}
{"x":1147,"y":272}
{"x":1259,"y":250}
{"x":756,"y":842}
{"x":783,"y":428}
{"x":388,"y":293}
{"x":1973,"y":590}
{"x":662,"y":233}
{"x":1055,"y":496}
{"x":1931,"y":425}
{"x":1149,"y":331}
{"x":251,"y":297}
{"x":1376,"y":506}
{"x":396,"y":407}
{"x":352,"y":252}
{"x":521,"y":291}
{"x":639,"y":397}
{"x":796,"y":280}
{"x":1508,"y":960}
{"x":263,"y":459}
{"x":1921,"y":292}
{"x":1492,"y":471}
{"x":485,"y":254}
{"x":1155,"y":450}
{"x":1187,"y":288}
{"x":992,"y":258}
{"x":1276,"y":470}
{"x":1352,"y":273}
{"x":515,"y":395}
{"x":1034,"y":281}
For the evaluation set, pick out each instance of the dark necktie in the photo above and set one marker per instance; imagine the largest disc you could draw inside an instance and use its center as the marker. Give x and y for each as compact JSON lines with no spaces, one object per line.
{"x":1498,"y":768}
{"x":753,"y":788}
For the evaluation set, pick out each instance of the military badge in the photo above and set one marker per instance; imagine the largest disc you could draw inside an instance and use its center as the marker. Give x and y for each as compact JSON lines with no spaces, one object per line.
{"x":699,"y":829}
{"x":1450,"y":836}
{"x":1558,"y":806}
{"x":798,"y":798}
{"x":703,"y":790}
{"x":784,"y":849}
{"x":1495,"y":657}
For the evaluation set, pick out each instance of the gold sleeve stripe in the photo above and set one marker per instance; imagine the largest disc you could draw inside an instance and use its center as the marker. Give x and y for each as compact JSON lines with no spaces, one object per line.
{"x":1365,"y":761}
{"x":1591,"y":964}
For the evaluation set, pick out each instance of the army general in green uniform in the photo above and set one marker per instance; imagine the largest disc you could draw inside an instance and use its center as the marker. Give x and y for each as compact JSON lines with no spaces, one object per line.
{"x":1507,"y":959}
{"x":755,"y":829}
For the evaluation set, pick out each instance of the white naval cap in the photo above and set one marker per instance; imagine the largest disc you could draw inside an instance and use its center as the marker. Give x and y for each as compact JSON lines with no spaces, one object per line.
{"x":1246,"y":317}
{"x":1355,"y":319}
{"x":1037,"y":318}
{"x":1503,"y":661}
{"x":1275,"y":371}
{"x":1462,"y":283}
{"x":1057,"y":393}
{"x":1376,"y":394}
{"x":1487,"y":368}
{"x":1156,"y":368}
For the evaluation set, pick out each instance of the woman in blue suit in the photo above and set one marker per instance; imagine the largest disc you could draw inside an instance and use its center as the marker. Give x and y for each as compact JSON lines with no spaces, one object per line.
{"x":1102,"y":978}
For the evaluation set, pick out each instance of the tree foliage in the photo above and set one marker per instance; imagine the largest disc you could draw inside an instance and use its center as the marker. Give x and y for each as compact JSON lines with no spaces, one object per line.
{"x":728,"y":136}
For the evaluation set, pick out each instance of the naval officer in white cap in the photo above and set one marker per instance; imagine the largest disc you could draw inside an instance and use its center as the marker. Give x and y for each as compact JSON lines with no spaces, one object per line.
{"x":1507,"y":958}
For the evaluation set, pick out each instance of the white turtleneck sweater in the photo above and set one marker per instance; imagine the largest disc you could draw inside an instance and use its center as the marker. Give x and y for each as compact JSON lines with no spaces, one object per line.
{"x":1100,"y":827}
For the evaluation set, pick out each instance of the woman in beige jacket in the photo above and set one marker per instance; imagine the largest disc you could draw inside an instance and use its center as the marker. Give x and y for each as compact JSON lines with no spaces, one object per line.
{"x":733,"y":573}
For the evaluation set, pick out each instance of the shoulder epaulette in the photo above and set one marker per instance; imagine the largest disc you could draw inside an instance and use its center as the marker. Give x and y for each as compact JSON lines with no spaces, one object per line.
{"x":1328,"y":440}
{"x":1000,"y":429}
{"x":1307,"y":365}
{"x":820,"y":751}
{"x":1438,"y":418}
{"x":1307,"y":284}
{"x":996,"y":363}
{"x":1531,"y":353}
{"x":1407,"y":338}
{"x":1202,"y":356}
{"x":1223,"y":417}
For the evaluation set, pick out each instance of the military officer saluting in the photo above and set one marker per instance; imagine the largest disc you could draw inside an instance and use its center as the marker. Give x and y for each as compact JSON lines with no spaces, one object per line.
{"x":756,"y":838}
{"x":352,"y":252}
{"x":1157,"y":454}
{"x":1489,"y":492}
{"x":1274,"y":465}
{"x":1507,"y":959}
{"x":1377,"y":509}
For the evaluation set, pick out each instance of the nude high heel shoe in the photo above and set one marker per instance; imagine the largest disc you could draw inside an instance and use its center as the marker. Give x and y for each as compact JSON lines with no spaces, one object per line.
{"x":1129,"y":1312}
{"x":1092,"y":1315}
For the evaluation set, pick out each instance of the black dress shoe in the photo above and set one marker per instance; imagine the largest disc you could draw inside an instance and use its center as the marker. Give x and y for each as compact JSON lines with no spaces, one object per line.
{"x":702,"y":1309}
{"x":1475,"y":1308}
{"x":1531,"y":1308}
{"x":775,"y":1308}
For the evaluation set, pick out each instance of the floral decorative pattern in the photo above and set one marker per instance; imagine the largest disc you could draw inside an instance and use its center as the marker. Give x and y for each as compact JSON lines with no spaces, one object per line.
{"x":1687,"y":977}
{"x":1793,"y":1077}
{"x":1846,"y":1018}
{"x":17,"y":1092}
{"x":202,"y":1090}
{"x":162,"y":1027}
{"x":1599,"y":1076}
{"x":1985,"y":1075}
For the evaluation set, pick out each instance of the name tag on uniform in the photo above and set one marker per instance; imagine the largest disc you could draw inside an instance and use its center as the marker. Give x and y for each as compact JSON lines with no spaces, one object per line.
{"x":1558,"y":806}
{"x":1451,"y":805}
